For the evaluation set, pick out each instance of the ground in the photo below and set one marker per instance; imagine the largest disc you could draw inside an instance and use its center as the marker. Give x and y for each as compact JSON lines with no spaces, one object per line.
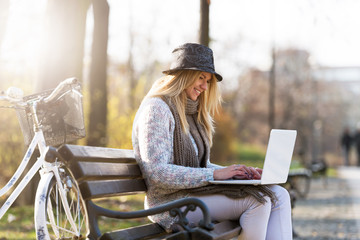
{"x":332,"y":208}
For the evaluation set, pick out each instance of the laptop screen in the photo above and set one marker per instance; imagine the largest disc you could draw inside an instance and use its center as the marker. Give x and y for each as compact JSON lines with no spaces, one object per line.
{"x":278,"y":156}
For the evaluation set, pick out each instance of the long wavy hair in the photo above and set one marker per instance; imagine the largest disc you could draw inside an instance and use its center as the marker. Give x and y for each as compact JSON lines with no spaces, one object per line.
{"x":173,"y":86}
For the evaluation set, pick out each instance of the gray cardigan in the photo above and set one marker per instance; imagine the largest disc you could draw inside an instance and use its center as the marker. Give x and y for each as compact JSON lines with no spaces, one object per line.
{"x":152,"y":140}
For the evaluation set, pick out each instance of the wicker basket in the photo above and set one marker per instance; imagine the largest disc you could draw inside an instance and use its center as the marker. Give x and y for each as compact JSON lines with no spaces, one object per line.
{"x":62,"y":121}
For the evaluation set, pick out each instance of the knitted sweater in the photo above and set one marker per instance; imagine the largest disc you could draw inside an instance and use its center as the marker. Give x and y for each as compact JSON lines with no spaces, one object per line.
{"x":152,"y":139}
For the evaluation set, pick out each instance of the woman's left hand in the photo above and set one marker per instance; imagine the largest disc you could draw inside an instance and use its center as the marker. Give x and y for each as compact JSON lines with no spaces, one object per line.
{"x":250,"y":173}
{"x":237,"y":172}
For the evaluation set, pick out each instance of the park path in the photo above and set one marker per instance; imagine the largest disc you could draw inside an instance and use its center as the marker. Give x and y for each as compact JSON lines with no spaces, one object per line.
{"x":332,"y":208}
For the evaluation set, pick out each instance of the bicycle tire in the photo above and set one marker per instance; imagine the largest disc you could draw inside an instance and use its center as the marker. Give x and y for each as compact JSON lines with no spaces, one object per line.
{"x":301,"y":184}
{"x":50,"y":218}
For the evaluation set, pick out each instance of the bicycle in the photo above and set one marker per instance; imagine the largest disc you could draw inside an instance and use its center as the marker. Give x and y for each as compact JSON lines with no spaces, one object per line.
{"x":49,"y":119}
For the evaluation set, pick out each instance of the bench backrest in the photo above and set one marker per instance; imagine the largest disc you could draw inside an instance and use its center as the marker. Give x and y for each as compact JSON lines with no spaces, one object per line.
{"x":103,"y":172}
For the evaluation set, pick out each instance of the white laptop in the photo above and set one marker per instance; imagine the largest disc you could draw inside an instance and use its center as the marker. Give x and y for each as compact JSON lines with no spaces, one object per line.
{"x":277,"y":160}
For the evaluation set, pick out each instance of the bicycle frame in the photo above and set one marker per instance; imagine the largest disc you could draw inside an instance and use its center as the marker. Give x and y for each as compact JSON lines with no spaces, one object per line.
{"x":48,"y":170}
{"x":39,"y":141}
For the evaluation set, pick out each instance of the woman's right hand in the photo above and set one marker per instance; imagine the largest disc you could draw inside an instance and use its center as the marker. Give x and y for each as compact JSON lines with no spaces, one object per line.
{"x":237,"y":172}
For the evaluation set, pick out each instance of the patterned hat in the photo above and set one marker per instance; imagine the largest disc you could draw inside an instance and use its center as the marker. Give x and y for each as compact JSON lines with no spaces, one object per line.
{"x":193,"y":56}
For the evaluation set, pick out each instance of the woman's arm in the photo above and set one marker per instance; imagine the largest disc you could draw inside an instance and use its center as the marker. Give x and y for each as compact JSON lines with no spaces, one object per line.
{"x":213,"y":165}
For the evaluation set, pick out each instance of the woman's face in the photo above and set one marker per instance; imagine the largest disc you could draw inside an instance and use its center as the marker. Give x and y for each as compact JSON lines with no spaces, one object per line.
{"x":199,"y":86}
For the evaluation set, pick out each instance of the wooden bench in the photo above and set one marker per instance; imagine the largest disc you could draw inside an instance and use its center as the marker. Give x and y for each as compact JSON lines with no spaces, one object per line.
{"x":107,"y":172}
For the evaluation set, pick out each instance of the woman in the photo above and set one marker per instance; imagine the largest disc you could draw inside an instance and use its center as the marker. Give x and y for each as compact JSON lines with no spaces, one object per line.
{"x":172,"y":136}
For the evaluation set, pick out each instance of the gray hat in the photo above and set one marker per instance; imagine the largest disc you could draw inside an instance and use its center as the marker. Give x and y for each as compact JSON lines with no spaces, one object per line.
{"x":193,"y":56}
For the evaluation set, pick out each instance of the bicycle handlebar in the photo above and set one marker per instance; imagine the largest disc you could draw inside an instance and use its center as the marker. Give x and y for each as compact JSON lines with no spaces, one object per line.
{"x":59,"y":88}
{"x":3,"y":96}
{"x":13,"y":94}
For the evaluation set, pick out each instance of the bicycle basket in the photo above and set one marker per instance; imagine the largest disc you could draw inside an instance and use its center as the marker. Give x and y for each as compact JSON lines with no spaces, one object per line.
{"x":62,"y":120}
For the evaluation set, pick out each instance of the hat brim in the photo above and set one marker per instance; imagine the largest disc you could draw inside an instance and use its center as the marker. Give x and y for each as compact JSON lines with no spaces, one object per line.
{"x":170,"y":71}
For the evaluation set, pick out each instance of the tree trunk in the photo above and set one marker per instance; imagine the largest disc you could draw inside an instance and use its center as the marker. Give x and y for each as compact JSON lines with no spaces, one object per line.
{"x":272,"y":88}
{"x":98,"y":76}
{"x":204,"y":22}
{"x":63,"y":47}
{"x":130,"y":66}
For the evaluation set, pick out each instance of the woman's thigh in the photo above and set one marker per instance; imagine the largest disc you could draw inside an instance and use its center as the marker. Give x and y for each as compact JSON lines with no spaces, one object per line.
{"x":252,"y":215}
{"x":224,"y":208}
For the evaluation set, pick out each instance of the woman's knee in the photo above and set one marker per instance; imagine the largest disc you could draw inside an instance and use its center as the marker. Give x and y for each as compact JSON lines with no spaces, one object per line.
{"x":282,"y":195}
{"x":252,"y":203}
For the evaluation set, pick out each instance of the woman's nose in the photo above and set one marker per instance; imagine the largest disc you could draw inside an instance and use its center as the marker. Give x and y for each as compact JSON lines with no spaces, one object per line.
{"x":204,"y":85}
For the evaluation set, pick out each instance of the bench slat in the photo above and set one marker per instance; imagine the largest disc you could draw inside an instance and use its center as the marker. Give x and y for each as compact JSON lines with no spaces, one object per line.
{"x":222,"y":230}
{"x":145,"y":231}
{"x":104,"y":171}
{"x":226,"y":230}
{"x":106,"y":188}
{"x":96,"y":154}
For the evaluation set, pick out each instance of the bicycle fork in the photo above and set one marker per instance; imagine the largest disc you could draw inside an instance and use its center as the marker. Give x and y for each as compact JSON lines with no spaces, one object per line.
{"x":48,"y":172}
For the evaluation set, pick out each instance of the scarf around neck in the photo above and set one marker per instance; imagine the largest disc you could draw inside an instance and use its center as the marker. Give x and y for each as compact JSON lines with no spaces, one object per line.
{"x":185,"y":155}
{"x":184,"y":151}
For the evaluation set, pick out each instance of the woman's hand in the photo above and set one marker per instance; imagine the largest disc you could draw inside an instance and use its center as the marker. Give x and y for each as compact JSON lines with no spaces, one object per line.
{"x":237,"y":172}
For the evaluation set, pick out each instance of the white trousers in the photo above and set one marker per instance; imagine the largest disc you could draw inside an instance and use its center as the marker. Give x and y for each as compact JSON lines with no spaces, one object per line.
{"x":258,"y":221}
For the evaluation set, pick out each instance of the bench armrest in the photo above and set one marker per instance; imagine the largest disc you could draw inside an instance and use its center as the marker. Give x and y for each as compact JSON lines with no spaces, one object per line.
{"x":174,"y":208}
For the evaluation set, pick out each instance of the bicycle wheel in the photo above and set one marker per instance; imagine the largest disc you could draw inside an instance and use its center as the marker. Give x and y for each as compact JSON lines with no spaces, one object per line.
{"x":301,"y":184}
{"x":51,"y":221}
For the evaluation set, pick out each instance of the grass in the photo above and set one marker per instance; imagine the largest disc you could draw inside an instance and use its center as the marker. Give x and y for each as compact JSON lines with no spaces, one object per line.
{"x":126,"y":203}
{"x":18,"y":222}
{"x":251,"y":155}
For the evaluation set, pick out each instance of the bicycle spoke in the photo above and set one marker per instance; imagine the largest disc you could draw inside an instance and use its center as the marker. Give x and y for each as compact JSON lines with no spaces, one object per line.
{"x":52,"y":219}
{"x":57,"y":221}
{"x":62,"y":229}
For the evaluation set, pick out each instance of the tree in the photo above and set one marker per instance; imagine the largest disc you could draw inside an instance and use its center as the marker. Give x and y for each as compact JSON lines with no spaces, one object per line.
{"x":221,"y":151}
{"x":64,"y":34}
{"x":315,"y":107}
{"x":130,"y":70}
{"x":272,"y":82}
{"x":98,"y":76}
{"x":204,"y":22}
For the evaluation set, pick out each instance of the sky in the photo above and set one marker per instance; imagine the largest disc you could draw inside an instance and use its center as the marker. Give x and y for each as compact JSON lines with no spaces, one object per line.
{"x":327,"y":28}
{"x":242,"y":32}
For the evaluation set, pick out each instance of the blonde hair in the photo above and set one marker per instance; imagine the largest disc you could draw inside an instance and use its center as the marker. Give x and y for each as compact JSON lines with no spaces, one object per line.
{"x":174,"y":85}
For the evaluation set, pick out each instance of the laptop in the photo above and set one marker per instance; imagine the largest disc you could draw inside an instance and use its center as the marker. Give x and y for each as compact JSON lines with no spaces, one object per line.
{"x":277,"y":160}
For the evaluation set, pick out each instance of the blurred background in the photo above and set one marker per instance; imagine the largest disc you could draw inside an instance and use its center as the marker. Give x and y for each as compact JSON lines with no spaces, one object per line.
{"x":286,"y":64}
